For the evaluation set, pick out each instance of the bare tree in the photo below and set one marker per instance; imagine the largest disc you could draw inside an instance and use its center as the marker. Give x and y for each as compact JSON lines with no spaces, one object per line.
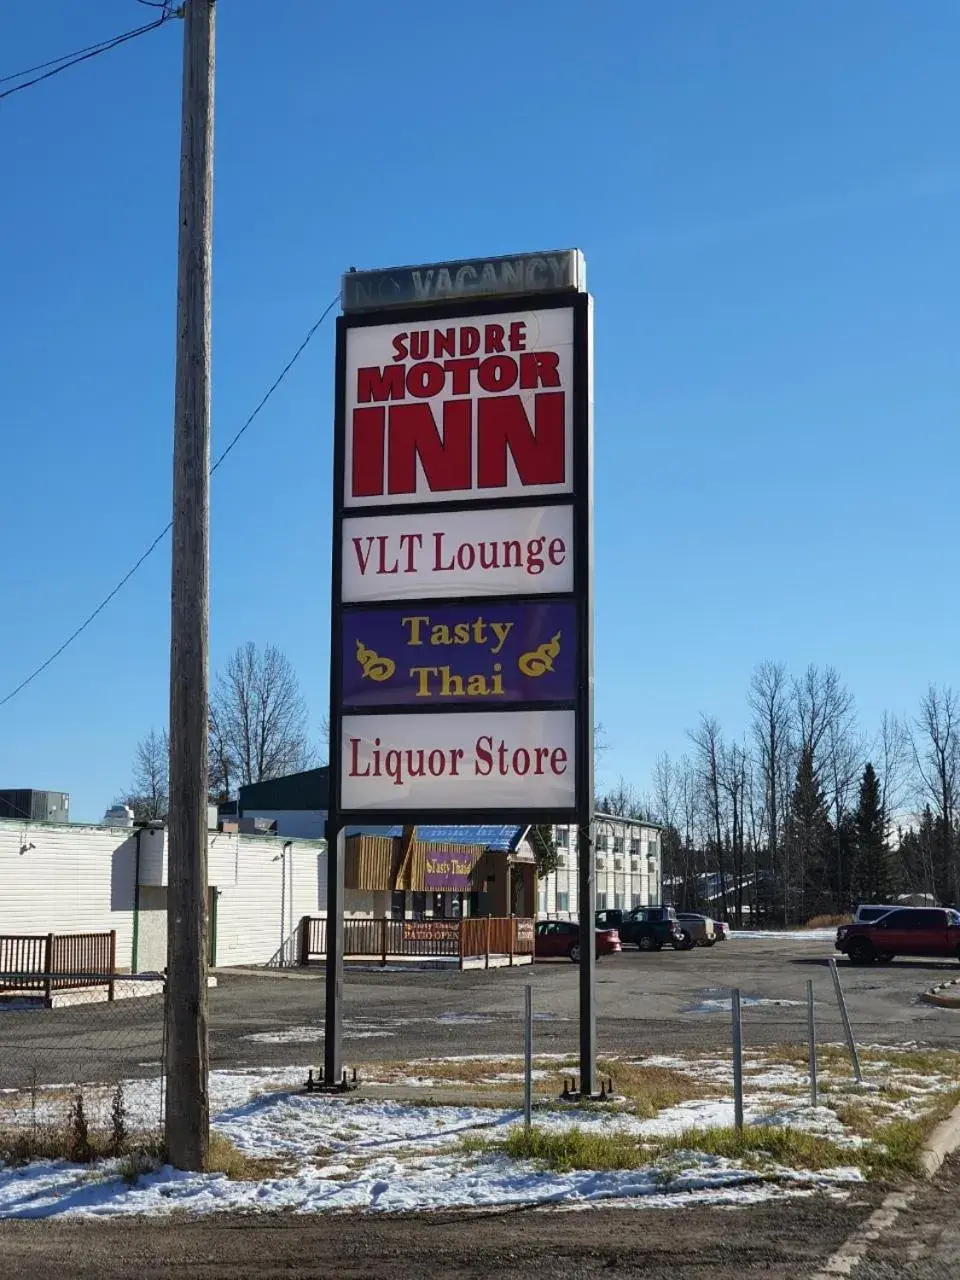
{"x":258,"y":720}
{"x":822,"y":706}
{"x":622,"y":801}
{"x":936,"y":753}
{"x":769,"y":699}
{"x":733,"y":780}
{"x":891,"y":749}
{"x":709,"y":743}
{"x":149,"y":792}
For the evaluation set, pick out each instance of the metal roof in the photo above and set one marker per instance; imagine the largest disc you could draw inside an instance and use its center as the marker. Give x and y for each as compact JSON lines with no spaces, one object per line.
{"x":502,"y":839}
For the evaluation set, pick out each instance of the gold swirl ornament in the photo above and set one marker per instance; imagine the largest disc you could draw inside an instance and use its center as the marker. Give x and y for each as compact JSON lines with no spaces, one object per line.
{"x":374,"y":667}
{"x":540,"y":660}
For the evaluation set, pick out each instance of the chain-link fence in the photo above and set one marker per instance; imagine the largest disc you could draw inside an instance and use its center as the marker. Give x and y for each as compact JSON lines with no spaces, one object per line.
{"x":84,"y":1065}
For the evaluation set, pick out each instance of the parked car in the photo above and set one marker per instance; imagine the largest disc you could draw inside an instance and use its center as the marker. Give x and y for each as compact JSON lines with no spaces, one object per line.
{"x":903,"y":931}
{"x":702,"y":930}
{"x":648,"y":928}
{"x":557,"y":938}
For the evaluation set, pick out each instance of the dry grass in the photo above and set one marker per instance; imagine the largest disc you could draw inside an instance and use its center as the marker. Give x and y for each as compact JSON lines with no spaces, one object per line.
{"x":576,"y":1149}
{"x":470,"y":1074}
{"x":826,"y":922}
{"x":793,"y":1148}
{"x":650,"y":1090}
{"x":224,"y":1157}
{"x":53,"y":1142}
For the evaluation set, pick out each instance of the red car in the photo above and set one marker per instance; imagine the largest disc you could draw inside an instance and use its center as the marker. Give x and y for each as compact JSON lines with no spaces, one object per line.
{"x":907,"y":931}
{"x":557,"y":938}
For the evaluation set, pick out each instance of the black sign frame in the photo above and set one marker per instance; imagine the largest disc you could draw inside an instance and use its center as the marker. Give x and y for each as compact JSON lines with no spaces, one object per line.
{"x":581,"y":501}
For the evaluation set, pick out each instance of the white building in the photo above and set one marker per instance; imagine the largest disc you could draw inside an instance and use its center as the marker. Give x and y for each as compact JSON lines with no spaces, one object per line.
{"x":629,"y":868}
{"x":86,"y":879}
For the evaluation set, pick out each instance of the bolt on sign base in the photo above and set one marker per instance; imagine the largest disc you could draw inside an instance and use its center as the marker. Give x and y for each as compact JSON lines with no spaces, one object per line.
{"x":315,"y":1084}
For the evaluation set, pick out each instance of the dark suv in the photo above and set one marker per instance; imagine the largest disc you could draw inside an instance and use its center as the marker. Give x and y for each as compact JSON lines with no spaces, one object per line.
{"x":646,"y":927}
{"x":906,"y":931}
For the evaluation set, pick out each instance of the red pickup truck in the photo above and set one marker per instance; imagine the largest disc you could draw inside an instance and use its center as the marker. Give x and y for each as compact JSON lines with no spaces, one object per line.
{"x":907,"y":931}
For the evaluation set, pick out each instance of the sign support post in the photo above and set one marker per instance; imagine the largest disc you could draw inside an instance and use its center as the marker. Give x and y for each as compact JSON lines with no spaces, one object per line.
{"x":333,"y":975}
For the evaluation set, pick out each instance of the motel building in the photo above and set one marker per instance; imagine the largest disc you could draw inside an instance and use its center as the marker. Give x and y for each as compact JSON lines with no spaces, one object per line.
{"x":629,"y":868}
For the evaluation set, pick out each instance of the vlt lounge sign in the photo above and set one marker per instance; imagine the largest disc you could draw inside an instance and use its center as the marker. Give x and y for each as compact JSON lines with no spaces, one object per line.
{"x":461,"y":649}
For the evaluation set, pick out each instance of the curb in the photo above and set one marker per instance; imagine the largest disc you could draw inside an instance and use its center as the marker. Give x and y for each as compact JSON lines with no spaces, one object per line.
{"x":939,"y":996}
{"x":944,"y":1140}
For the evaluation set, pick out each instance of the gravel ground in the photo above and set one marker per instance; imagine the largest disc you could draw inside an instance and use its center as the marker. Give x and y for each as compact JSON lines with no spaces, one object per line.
{"x":784,"y":1242}
{"x":646,"y":1003}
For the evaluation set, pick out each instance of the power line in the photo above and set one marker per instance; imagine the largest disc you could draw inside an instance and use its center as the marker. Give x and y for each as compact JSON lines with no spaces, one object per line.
{"x":163,"y":533}
{"x":80,"y":55}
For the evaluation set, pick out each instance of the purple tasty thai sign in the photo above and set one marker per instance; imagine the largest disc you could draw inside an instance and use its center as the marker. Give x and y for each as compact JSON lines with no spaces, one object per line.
{"x":481,"y":654}
{"x":448,"y":869}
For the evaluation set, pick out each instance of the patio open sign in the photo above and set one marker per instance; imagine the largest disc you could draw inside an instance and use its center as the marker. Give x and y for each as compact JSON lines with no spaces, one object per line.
{"x":461,"y":645}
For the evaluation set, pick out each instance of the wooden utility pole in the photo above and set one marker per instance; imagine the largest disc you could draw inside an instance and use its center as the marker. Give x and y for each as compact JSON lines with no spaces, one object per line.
{"x":188,"y":1109}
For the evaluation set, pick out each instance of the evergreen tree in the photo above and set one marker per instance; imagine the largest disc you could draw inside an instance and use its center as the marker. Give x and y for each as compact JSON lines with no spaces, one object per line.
{"x":808,"y":843}
{"x":872,"y":879}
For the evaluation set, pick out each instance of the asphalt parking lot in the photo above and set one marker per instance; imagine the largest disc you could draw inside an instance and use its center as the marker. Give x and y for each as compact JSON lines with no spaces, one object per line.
{"x":646,"y":1003}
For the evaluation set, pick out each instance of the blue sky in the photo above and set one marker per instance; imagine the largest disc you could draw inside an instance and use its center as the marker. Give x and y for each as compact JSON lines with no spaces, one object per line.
{"x":767,"y":196}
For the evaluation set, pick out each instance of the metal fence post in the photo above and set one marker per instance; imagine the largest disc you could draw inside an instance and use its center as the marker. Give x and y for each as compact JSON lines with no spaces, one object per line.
{"x":737,"y":1061}
{"x":812,"y":1038}
{"x":527,"y":1054}
{"x":487,"y":942}
{"x":847,"y":1029}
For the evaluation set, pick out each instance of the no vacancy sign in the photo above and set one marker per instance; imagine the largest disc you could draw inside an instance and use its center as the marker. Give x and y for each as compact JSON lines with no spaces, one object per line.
{"x":461,"y":643}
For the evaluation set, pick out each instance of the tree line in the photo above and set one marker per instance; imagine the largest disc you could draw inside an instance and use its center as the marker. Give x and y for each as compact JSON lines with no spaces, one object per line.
{"x":805,"y":814}
{"x":258,"y":730}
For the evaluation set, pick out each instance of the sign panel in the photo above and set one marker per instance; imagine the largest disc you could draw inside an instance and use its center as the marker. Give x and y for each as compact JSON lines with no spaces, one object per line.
{"x":447,"y":870}
{"x":483,"y":656}
{"x":437,"y":554}
{"x":459,"y":761}
{"x":472,"y":407}
{"x":431,"y":931}
{"x":557,"y":270}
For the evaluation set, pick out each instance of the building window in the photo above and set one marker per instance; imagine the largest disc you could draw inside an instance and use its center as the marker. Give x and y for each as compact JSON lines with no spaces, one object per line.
{"x":601,"y":902}
{"x":563,"y":902}
{"x":618,"y":901}
{"x":603,"y":842}
{"x":637,"y":900}
{"x":419,"y":906}
{"x":618,"y":844}
{"x":563,"y":838}
{"x":634,"y":848}
{"x":542,"y":910}
{"x":653,"y":848}
{"x":398,"y":905}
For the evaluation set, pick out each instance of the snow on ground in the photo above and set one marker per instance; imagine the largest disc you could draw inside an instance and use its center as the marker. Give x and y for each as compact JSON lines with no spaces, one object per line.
{"x":789,"y":935}
{"x":724,"y":1004}
{"x":388,"y":1156}
{"x":335,"y":1153}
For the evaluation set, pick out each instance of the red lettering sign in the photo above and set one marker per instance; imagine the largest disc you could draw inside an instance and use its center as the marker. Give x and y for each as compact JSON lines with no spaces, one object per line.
{"x":442,"y":413}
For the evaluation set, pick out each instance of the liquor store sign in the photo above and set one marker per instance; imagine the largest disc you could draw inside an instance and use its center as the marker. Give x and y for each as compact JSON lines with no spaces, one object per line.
{"x":461,"y":554}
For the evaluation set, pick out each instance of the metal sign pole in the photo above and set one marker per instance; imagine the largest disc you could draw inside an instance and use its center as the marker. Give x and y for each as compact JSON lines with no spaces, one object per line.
{"x":812,"y":1038}
{"x":737,"y":1061}
{"x":333,"y":1020}
{"x":527,"y":1054}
